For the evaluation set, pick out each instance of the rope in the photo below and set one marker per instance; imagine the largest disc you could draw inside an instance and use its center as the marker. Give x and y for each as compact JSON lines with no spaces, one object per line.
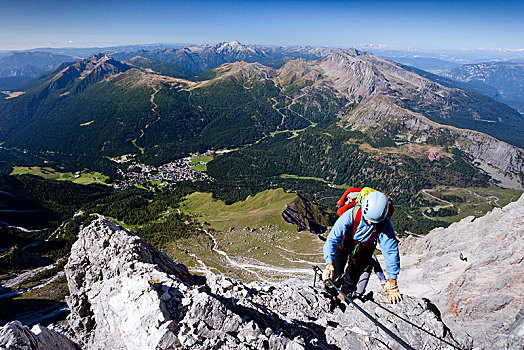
{"x":377,"y":323}
{"x":414,"y":325}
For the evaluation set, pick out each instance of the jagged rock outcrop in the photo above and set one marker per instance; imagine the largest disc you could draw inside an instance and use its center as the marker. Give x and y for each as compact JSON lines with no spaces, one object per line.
{"x":123,"y":292}
{"x":473,"y":272}
{"x":127,"y":295}
{"x":16,"y":336}
{"x":307,"y":216}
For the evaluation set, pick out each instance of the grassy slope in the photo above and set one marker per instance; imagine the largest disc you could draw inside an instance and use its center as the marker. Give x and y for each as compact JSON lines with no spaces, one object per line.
{"x":51,"y":174}
{"x":265,"y":208}
{"x":251,"y":232}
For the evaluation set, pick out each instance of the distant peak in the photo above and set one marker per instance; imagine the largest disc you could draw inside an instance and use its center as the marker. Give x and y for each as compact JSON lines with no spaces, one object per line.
{"x":232,"y":43}
{"x":233,"y":46}
{"x":100,"y":57}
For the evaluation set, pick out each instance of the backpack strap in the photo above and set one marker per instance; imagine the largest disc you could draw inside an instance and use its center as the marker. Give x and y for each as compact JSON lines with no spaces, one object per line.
{"x":357,"y":215}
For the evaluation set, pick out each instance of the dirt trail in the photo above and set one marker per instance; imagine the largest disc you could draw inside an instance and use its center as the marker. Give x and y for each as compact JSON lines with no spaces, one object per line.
{"x":231,"y":261}
{"x":449,"y":204}
{"x":257,"y":268}
{"x":278,"y":111}
{"x":154,"y":110}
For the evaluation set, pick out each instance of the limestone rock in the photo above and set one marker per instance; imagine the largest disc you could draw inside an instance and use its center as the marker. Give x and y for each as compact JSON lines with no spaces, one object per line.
{"x":127,"y":295}
{"x":16,"y":336}
{"x":473,"y":272}
{"x":116,"y":284}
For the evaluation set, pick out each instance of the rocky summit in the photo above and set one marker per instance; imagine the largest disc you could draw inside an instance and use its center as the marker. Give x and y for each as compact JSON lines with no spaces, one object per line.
{"x":125,"y":294}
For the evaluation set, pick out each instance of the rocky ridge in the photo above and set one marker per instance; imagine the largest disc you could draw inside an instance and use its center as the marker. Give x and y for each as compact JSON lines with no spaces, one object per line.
{"x":307,"y":216}
{"x":473,"y":271}
{"x":371,"y":116}
{"x":125,"y":294}
{"x":380,"y":86}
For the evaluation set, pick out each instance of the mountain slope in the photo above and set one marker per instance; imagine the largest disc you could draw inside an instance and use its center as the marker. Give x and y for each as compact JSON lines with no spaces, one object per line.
{"x":20,"y":67}
{"x":114,"y":105}
{"x":362,"y":75}
{"x":507,"y":77}
{"x":121,"y":109}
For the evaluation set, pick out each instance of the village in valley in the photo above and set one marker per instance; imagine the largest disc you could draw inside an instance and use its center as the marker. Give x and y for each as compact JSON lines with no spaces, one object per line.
{"x":190,"y":168}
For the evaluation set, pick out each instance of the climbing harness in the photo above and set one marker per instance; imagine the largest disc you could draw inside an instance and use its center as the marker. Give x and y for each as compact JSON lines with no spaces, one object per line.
{"x":387,"y":331}
{"x":350,"y":301}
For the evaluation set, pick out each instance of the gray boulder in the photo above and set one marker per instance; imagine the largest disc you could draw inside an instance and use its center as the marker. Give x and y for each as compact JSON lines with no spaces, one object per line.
{"x":16,"y":336}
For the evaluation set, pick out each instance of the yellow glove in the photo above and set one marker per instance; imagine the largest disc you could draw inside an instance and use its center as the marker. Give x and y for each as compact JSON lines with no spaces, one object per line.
{"x":391,"y":288}
{"x":328,"y":272}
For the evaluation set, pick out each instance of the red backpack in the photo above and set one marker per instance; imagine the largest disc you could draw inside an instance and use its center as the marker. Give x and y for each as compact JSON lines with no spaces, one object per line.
{"x":349,"y":200}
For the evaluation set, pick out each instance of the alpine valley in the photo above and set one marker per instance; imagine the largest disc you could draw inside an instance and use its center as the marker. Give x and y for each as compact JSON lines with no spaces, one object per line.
{"x":215,"y":154}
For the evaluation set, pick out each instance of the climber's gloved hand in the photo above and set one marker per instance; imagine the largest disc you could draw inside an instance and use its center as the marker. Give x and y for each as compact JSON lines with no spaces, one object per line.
{"x":391,"y":288}
{"x":328,"y":272}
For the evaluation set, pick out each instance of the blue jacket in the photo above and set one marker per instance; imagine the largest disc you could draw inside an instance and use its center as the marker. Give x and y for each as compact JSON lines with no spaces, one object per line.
{"x":387,"y":240}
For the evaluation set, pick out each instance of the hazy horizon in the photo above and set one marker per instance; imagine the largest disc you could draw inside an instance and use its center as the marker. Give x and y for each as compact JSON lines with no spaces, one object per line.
{"x":358,"y":46}
{"x":427,"y":25}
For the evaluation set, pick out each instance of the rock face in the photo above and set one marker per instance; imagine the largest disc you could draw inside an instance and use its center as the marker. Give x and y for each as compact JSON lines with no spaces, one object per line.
{"x":16,"y":336}
{"x":307,"y":215}
{"x":122,"y":290}
{"x":473,"y":272}
{"x":127,"y":295}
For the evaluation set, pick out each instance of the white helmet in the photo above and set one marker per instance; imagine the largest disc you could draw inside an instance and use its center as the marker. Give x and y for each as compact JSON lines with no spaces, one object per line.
{"x":375,"y":207}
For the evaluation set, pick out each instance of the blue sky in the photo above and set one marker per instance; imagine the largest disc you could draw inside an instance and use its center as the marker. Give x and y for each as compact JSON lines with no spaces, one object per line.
{"x":412,"y":24}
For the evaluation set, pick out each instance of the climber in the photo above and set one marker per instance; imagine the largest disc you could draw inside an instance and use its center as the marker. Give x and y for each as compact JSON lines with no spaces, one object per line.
{"x":352,"y":241}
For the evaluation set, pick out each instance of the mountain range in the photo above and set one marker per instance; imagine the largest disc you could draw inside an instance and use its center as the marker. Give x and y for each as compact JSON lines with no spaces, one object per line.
{"x":100,"y":107}
{"x":197,"y":59}
{"x":21,"y":67}
{"x":507,"y":77}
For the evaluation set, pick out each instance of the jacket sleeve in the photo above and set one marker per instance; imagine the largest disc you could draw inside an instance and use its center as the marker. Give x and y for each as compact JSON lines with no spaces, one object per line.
{"x":334,"y":238}
{"x":389,"y":246}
